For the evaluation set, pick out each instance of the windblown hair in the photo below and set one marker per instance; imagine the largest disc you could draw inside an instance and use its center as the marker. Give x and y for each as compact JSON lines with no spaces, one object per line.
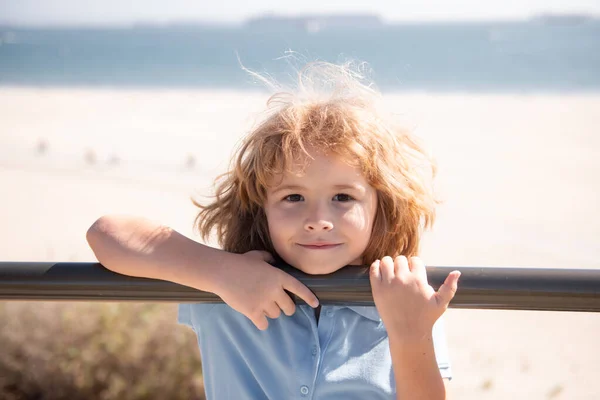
{"x":334,"y":111}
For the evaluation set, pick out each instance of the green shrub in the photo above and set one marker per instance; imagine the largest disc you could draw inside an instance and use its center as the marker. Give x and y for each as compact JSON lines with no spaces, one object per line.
{"x":64,"y":350}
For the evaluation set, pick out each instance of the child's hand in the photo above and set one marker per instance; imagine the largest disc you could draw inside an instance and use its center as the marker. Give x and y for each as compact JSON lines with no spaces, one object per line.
{"x":256,"y":289}
{"x":408,"y":305}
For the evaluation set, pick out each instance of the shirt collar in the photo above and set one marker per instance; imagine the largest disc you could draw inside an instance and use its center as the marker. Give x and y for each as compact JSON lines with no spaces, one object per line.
{"x":369,"y":312}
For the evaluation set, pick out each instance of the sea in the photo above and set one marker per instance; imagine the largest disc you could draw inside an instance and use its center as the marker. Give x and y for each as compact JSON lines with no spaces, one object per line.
{"x":535,"y":55}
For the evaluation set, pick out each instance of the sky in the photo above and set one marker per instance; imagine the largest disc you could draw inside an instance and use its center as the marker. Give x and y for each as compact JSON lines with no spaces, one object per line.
{"x":119,"y":12}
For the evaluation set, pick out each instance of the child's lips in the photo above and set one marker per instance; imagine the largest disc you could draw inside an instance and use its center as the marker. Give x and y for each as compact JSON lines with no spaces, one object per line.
{"x":319,"y":246}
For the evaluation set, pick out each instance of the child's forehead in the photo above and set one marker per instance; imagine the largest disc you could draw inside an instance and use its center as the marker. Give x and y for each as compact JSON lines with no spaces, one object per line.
{"x":345,"y":152}
{"x":317,"y":165}
{"x":318,"y":158}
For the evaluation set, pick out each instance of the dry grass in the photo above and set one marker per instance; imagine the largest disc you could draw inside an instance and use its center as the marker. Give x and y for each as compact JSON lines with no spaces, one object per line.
{"x":53,"y":350}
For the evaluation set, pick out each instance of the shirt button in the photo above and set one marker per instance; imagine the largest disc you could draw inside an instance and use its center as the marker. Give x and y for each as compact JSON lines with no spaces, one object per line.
{"x":314,"y":351}
{"x":304,"y":390}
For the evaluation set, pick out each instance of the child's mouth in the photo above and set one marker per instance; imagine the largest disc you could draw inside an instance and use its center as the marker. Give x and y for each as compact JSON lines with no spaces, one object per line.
{"x":319,"y":246}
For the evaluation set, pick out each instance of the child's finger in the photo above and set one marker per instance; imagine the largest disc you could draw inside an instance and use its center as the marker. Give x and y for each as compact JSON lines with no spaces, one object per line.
{"x":417,"y":267}
{"x":260,"y":321}
{"x":387,"y":269}
{"x":299,"y":289}
{"x":375,"y":272}
{"x":273,"y":311}
{"x":448,"y":289}
{"x":286,"y":304}
{"x":401,"y":266}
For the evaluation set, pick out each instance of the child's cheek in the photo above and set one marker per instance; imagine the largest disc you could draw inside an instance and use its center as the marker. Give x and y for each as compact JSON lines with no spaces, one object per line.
{"x":283,"y":223}
{"x":284,"y":212}
{"x":358,"y":219}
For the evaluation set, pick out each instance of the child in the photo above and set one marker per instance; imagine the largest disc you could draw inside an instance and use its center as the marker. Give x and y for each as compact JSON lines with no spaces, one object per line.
{"x":325,"y":181}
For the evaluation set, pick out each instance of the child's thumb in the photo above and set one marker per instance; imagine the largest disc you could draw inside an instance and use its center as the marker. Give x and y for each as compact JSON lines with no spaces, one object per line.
{"x":448,"y":289}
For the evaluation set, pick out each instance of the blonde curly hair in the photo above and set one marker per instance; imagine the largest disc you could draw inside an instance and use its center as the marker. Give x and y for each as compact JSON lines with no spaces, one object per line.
{"x":332,"y":109}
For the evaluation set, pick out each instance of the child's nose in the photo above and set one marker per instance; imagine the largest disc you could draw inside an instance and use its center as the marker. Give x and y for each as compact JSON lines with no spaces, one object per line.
{"x":318,"y":217}
{"x":318,"y":225}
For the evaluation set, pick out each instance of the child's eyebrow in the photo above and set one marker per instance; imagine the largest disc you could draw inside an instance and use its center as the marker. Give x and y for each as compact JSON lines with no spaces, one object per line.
{"x":357,"y":187}
{"x":349,"y":186}
{"x":287,"y":187}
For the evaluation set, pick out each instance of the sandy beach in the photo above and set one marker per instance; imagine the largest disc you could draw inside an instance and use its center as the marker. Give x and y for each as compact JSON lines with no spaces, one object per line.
{"x":519,"y":175}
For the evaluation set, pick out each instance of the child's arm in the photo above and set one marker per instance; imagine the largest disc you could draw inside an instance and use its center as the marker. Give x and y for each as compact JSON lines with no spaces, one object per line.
{"x":409,"y":307}
{"x":138,"y":247}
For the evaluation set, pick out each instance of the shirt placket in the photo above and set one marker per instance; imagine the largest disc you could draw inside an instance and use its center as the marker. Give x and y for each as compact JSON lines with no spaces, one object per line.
{"x":319,"y":342}
{"x":321,"y":335}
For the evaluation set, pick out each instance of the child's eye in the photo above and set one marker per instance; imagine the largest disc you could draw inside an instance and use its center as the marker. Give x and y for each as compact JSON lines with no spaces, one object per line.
{"x":293,"y":198}
{"x":342,"y":197}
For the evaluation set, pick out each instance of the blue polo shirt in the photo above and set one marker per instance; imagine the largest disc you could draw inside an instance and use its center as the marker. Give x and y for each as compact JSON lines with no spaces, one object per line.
{"x":345,"y":356}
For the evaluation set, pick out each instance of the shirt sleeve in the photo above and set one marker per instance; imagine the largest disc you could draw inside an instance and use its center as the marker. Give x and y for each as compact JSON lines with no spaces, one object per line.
{"x":441,"y":349}
{"x":191,"y":314}
{"x":184,"y":314}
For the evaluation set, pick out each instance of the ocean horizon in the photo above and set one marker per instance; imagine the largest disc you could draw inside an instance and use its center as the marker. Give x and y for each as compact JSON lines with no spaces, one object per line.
{"x":521,"y":56}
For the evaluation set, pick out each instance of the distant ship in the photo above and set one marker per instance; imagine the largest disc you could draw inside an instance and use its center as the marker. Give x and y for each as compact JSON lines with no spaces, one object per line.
{"x":563,"y":19}
{"x":315,"y":23}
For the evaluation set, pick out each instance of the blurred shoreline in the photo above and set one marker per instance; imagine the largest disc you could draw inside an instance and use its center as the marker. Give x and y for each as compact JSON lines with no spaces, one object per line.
{"x":547,"y":53}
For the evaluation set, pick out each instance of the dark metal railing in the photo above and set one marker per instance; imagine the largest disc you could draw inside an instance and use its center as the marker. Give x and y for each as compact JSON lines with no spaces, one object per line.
{"x":549,"y":289}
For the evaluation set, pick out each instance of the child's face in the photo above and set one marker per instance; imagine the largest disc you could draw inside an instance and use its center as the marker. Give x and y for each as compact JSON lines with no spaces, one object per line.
{"x":321,"y":219}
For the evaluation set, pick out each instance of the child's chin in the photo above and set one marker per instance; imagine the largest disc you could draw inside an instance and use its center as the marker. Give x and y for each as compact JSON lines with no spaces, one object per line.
{"x":316,"y":269}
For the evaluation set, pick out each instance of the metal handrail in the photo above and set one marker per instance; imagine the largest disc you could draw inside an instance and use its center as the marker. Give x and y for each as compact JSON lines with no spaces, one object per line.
{"x":550,"y":289}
